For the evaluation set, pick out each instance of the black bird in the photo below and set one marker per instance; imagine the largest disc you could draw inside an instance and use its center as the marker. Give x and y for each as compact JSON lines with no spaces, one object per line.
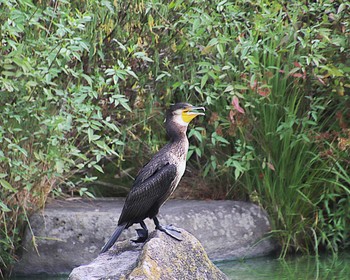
{"x":158,"y":179}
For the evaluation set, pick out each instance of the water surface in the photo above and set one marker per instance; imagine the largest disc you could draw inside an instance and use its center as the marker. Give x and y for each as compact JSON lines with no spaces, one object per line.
{"x":292,"y":268}
{"x":296,"y":267}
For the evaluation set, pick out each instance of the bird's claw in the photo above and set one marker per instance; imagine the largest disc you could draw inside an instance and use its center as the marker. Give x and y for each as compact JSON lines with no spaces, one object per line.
{"x":142,"y":235}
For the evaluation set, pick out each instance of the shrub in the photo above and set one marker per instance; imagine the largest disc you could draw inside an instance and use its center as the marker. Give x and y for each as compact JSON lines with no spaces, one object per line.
{"x":58,"y":115}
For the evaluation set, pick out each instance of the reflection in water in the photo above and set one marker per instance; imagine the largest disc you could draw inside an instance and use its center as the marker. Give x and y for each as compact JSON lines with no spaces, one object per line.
{"x":296,"y":267}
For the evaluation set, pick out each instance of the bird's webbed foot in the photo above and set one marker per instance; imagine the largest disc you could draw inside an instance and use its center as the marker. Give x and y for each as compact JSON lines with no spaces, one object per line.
{"x":142,"y":234}
{"x":169,"y":230}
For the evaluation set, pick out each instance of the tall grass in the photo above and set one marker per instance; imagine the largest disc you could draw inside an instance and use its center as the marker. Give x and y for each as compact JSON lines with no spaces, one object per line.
{"x":286,"y":171}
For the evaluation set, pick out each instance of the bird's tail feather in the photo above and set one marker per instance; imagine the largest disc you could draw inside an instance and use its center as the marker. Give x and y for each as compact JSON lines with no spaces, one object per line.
{"x":113,"y":238}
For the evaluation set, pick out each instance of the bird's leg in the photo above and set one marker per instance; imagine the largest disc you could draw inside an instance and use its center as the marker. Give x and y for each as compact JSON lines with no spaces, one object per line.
{"x":142,"y":233}
{"x":169,"y":230}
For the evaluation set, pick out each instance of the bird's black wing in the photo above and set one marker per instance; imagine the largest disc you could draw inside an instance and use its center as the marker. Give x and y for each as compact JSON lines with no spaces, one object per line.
{"x":152,"y":183}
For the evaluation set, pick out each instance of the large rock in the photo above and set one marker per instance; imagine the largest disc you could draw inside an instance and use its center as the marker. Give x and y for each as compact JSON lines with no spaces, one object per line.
{"x":71,"y":233}
{"x":161,"y":257}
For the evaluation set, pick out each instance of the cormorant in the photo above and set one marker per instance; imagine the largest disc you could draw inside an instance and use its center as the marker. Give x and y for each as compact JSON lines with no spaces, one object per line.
{"x":158,"y":179}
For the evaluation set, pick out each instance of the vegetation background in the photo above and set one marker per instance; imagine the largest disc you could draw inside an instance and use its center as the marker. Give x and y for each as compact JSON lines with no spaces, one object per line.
{"x":84,"y":86}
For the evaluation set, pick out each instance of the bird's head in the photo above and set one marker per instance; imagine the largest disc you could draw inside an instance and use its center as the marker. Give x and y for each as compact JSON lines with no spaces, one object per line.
{"x":183,"y":113}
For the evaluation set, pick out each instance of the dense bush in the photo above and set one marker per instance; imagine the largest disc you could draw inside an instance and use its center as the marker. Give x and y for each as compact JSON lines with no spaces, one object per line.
{"x":84,"y":84}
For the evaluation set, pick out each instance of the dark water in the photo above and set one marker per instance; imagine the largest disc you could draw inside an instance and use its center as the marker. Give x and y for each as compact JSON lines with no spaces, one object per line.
{"x":41,"y":277}
{"x":297,"y":267}
{"x":324,"y":267}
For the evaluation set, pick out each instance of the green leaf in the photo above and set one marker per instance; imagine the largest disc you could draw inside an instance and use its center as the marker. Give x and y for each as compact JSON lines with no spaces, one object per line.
{"x":99,"y":168}
{"x":189,"y":154}
{"x":124,"y":103}
{"x":237,"y":173}
{"x":102,"y":145}
{"x":143,"y":56}
{"x":95,"y":137}
{"x":132,"y":73}
{"x":332,"y":70}
{"x":240,"y":87}
{"x":220,"y":49}
{"x":87,"y":79}
{"x":198,"y":152}
{"x":229,"y":88}
{"x":341,"y":8}
{"x":111,"y":126}
{"x":59,"y":166}
{"x":213,"y":42}
{"x":160,"y":76}
{"x":204,"y":80}
{"x":196,"y":133}
{"x":90,"y":134}
{"x":6,"y":185}
{"x":4,"y":207}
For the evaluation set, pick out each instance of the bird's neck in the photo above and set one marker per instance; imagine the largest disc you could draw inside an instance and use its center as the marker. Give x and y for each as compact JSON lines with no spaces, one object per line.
{"x":179,"y":146}
{"x":176,"y":133}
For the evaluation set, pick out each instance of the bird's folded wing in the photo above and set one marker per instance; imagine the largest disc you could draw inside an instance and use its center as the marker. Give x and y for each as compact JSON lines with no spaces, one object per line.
{"x":147,"y":191}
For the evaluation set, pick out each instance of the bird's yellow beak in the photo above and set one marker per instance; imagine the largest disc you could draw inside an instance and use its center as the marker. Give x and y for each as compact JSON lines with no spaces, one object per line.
{"x":190,"y":113}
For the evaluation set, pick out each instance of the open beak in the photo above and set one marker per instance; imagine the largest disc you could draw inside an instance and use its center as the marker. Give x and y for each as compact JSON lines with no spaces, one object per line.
{"x":191,"y":112}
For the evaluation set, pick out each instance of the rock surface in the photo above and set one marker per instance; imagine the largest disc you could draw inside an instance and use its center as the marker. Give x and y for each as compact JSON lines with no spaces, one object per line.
{"x":160,"y":257}
{"x":71,"y":233}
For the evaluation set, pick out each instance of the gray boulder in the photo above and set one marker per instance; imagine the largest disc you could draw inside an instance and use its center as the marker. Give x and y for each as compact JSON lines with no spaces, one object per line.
{"x":71,"y":233}
{"x":160,"y":257}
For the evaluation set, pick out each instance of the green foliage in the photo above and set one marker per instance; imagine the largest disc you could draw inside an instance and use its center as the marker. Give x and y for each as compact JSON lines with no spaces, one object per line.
{"x":58,"y":111}
{"x":83,"y":84}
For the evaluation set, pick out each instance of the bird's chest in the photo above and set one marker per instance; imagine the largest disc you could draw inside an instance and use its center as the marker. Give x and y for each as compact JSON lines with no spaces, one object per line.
{"x":181,"y":169}
{"x":180,"y":162}
{"x":179,"y":159}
